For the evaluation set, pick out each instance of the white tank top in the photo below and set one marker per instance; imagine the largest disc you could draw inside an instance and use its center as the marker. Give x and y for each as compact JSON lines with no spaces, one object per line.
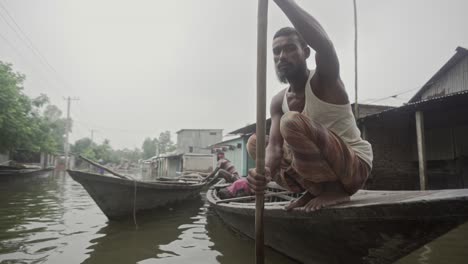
{"x":337,"y":118}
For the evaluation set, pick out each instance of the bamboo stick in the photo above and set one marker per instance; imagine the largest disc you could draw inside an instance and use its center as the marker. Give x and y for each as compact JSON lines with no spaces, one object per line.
{"x":236,"y":199}
{"x":262,"y":27}
{"x":103,"y":167}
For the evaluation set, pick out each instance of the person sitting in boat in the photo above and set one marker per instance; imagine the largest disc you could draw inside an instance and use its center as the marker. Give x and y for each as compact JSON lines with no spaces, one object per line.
{"x":314,"y":144}
{"x":226,"y":170}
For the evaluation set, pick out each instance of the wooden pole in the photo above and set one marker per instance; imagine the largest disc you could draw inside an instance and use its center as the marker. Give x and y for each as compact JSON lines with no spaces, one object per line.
{"x":242,"y":198}
{"x":421,"y":150}
{"x":356,"y":104}
{"x":103,"y":167}
{"x":262,"y":26}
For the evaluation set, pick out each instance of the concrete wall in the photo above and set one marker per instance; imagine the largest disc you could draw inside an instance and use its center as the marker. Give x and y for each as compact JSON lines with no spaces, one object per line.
{"x":198,"y":163}
{"x":393,"y":166}
{"x":167,"y":167}
{"x":172,"y":166}
{"x":396,"y":161}
{"x":199,"y":140}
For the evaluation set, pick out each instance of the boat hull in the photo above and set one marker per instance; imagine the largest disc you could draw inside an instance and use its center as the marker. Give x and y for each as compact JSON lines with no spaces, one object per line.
{"x":120,"y":198}
{"x":20,"y":173}
{"x":367,"y":233}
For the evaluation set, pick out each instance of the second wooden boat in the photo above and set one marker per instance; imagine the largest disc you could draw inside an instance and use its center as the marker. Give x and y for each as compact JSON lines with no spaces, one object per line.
{"x":12,"y":172}
{"x":120,"y":198}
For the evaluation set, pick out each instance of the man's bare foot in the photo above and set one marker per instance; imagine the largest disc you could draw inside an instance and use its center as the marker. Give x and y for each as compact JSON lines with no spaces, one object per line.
{"x":326,"y":199}
{"x":299,"y":202}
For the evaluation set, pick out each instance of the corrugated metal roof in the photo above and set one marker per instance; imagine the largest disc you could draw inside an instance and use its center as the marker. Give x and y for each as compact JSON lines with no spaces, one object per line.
{"x":225,"y":141}
{"x":250,"y":128}
{"x":450,"y":100}
{"x":189,"y":129}
{"x":180,"y":154}
{"x":457,"y":57}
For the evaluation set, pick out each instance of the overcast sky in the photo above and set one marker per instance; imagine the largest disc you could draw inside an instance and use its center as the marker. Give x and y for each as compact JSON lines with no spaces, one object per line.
{"x":142,"y":67}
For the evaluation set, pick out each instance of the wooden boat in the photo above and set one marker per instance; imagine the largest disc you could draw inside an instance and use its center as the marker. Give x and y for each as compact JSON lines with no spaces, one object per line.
{"x":375,"y":227}
{"x":120,"y":197}
{"x":11,"y":172}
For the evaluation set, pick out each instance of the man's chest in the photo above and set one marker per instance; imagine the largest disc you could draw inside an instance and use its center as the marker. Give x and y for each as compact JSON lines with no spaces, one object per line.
{"x":295,"y":102}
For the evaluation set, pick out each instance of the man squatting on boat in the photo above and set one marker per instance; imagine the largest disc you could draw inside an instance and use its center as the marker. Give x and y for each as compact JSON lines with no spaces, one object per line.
{"x":314,"y":143}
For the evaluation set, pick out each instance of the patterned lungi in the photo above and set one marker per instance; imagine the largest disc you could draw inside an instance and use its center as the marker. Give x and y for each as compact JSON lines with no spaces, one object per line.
{"x":313,"y":155}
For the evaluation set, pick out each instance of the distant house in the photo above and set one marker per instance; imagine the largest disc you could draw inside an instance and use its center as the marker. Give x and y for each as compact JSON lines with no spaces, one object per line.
{"x":192,"y":153}
{"x":424,"y":143}
{"x":173,"y":165}
{"x":197,"y":140}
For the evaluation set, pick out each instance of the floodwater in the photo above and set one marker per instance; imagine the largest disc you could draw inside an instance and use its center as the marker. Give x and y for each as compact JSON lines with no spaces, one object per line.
{"x":51,"y":219}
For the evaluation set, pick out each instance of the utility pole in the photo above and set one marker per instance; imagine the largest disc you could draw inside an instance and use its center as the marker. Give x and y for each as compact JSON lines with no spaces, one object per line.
{"x":67,"y":144}
{"x":92,"y":134}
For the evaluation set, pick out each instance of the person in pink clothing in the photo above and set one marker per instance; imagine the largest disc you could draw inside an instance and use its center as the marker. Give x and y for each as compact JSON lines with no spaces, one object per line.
{"x":239,"y":186}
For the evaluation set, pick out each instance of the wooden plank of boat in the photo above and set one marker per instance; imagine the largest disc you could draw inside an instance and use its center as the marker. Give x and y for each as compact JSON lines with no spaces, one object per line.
{"x":375,"y":227}
{"x":115,"y":196}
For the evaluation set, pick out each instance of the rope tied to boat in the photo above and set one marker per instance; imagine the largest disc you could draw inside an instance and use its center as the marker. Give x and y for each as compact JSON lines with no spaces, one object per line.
{"x":134,"y":201}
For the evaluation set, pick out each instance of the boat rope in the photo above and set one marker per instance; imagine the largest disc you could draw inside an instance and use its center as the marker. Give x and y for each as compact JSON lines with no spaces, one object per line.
{"x":134,"y":201}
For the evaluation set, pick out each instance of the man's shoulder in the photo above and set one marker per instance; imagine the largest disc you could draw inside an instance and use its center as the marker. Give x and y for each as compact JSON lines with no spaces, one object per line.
{"x":277,"y":102}
{"x":278,"y":97}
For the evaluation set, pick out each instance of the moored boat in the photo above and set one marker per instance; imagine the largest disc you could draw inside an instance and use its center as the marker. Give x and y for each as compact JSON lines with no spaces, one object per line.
{"x":12,"y":172}
{"x":375,"y":227}
{"x":121,"y":197}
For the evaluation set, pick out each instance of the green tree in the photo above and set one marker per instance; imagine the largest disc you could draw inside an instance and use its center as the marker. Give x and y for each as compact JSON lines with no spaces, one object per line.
{"x":81,"y":145}
{"x":57,"y":125}
{"x":14,"y":108}
{"x":149,"y":148}
{"x":23,"y":124}
{"x":89,"y":153}
{"x":104,"y":151}
{"x":165,"y":143}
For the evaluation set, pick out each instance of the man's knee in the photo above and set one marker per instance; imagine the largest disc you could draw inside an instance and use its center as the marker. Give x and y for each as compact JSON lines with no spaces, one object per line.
{"x":292,"y":124}
{"x":295,"y":126}
{"x":252,"y":146}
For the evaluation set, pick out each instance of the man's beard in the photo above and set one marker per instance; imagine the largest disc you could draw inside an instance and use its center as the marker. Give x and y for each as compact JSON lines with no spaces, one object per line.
{"x":291,"y":74}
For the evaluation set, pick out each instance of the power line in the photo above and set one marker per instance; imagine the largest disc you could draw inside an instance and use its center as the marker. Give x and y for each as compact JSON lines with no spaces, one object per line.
{"x":34,"y":69}
{"x":117,"y":129}
{"x":25,"y":39}
{"x":27,"y":61}
{"x":390,"y":96}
